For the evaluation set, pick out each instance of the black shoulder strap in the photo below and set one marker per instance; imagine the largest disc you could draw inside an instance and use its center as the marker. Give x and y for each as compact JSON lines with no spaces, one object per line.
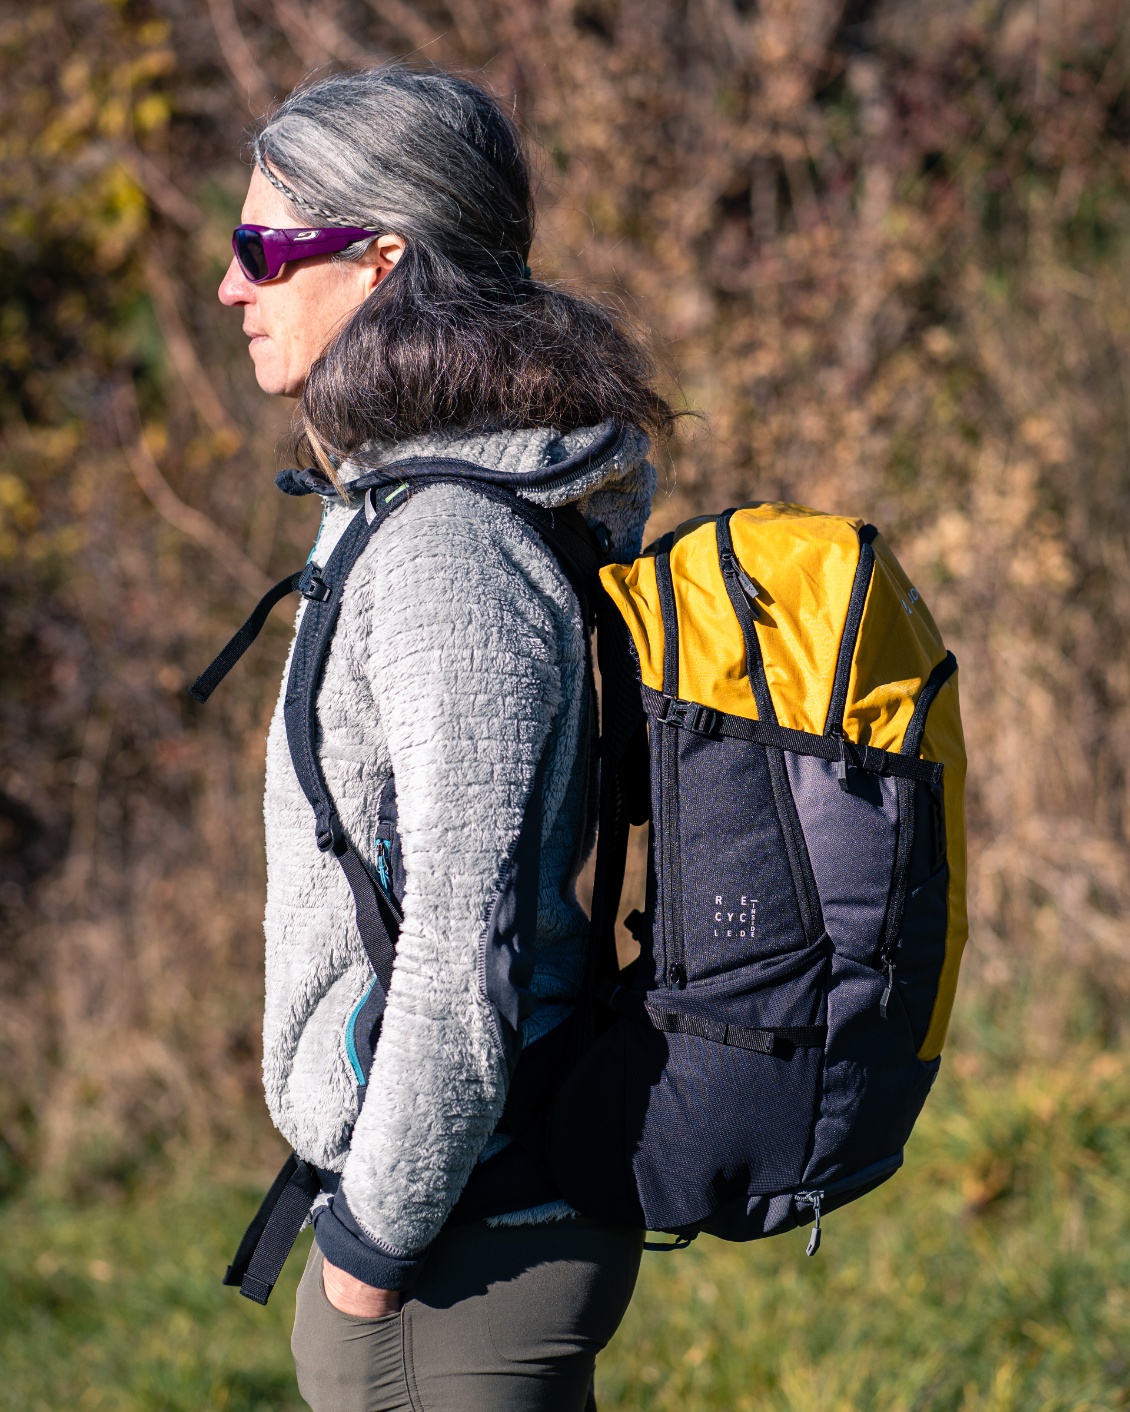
{"x":377,"y":920}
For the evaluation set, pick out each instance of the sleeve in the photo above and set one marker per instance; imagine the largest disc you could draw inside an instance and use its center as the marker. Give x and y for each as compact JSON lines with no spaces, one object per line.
{"x":464,"y":665}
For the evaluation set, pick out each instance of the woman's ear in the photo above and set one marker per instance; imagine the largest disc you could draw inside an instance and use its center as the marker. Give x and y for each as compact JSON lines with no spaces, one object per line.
{"x":379,"y":260}
{"x":389,"y":248}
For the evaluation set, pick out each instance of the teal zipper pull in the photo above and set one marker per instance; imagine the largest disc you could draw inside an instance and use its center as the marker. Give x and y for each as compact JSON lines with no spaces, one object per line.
{"x":382,"y":863}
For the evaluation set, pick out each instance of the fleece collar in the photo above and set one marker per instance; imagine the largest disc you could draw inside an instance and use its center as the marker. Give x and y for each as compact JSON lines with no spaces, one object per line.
{"x":603,"y":470}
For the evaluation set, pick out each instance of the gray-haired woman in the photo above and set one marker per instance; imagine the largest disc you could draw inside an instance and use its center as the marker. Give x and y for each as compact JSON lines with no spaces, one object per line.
{"x":382,"y":275}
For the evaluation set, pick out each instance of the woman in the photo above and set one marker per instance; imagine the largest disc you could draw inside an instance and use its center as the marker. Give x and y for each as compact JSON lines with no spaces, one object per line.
{"x":444,"y":1273}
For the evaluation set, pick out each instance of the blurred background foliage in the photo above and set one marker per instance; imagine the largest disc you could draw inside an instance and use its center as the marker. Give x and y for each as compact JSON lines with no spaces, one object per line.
{"x":881,"y":245}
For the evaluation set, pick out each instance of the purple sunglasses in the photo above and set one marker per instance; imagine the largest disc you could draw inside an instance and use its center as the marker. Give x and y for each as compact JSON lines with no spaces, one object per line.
{"x":262,"y":251}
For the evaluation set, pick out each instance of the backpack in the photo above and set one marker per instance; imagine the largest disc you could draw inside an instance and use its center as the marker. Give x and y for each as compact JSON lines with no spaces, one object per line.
{"x":805,"y":909}
{"x":777,"y":703}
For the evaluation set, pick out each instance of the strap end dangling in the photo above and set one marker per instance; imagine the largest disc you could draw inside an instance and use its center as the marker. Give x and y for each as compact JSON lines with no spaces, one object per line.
{"x":842,"y":766}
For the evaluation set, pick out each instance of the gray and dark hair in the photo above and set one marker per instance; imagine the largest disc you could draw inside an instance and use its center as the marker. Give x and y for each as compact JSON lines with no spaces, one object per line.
{"x":459,"y":333}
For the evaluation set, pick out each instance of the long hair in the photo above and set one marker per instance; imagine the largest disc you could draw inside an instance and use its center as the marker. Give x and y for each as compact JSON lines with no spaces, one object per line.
{"x":459,"y":333}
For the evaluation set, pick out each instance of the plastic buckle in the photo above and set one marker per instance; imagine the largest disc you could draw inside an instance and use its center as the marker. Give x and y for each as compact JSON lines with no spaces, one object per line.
{"x":331,"y":838}
{"x":312,"y":585}
{"x":690,"y":716}
{"x":872,"y":760}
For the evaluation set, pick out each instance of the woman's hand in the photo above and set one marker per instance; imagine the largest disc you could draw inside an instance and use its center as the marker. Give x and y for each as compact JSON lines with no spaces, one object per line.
{"x":352,"y":1296}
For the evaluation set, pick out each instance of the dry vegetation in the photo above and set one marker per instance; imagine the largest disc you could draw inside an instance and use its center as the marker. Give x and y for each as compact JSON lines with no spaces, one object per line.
{"x":881,"y":246}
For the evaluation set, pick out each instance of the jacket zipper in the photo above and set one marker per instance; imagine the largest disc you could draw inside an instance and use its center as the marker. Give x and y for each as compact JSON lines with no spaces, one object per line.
{"x":384,"y":876}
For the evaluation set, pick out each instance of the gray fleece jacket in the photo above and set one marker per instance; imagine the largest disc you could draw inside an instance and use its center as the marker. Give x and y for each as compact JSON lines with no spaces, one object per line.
{"x":457,"y":664}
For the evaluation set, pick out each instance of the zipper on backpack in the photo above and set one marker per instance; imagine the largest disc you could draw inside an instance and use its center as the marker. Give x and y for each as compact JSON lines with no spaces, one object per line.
{"x":853,"y":619}
{"x":888,"y":989}
{"x":842,"y":763}
{"x":815,"y":1197}
{"x":892,"y":923}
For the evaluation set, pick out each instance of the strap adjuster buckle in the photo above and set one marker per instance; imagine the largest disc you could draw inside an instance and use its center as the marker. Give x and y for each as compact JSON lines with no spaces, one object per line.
{"x":330,"y":838}
{"x":312,"y":585}
{"x":690,"y":715}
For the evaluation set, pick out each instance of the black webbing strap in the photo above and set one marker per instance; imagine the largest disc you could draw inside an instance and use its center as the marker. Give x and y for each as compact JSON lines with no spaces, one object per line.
{"x":212,"y":675}
{"x":669,"y":613}
{"x":779,"y":1039}
{"x":270,"y":1237}
{"x":704,"y":720}
{"x":377,"y":922}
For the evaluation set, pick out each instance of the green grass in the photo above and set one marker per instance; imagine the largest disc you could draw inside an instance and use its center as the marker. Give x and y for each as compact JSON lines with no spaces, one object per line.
{"x":992,"y":1273}
{"x":119,"y":1307}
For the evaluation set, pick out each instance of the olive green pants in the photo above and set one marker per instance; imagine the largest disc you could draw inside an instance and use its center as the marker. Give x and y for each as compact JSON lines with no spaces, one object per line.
{"x":502,"y":1319}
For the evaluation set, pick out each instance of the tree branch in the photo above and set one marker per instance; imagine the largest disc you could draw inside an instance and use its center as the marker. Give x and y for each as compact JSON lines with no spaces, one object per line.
{"x":168,"y":504}
{"x":249,"y":78}
{"x":205,"y":399}
{"x":159,"y":190}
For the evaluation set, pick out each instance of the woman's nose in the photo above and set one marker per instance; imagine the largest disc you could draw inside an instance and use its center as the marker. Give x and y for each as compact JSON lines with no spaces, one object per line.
{"x":235,"y":288}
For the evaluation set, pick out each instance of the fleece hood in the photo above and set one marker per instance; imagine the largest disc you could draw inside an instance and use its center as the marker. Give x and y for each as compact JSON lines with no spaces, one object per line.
{"x":603,"y":470}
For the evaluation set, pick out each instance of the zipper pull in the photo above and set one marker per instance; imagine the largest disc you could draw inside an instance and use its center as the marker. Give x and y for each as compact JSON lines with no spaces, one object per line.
{"x":842,"y":766}
{"x":814,"y":1238}
{"x":749,"y":587}
{"x":382,"y":863}
{"x":886,"y":1000}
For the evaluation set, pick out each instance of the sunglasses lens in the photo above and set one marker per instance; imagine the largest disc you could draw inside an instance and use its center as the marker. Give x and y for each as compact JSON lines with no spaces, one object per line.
{"x":250,"y":254}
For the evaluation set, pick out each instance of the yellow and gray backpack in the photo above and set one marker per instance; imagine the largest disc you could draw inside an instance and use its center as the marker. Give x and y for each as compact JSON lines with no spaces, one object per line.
{"x":805,"y":912}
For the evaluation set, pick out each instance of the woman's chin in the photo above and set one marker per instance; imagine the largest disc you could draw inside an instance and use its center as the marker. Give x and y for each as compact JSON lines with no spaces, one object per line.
{"x":270,"y":373}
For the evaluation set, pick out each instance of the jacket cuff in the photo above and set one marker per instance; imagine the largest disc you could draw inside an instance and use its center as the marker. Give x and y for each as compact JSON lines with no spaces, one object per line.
{"x":344,"y":1244}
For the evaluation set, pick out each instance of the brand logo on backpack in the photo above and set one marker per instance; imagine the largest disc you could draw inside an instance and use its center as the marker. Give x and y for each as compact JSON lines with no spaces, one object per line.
{"x":737,"y":918}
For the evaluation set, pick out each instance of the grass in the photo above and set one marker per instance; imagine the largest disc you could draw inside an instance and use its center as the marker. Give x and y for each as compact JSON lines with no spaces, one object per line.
{"x":119,"y":1308}
{"x":992,"y":1273}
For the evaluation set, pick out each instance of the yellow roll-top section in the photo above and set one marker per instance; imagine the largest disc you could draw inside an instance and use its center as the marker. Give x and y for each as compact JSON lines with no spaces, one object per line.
{"x":804,"y":564}
{"x":898,"y":647}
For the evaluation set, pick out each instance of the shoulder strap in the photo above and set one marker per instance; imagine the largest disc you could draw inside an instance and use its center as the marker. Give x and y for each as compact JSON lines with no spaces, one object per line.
{"x":377,"y":919}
